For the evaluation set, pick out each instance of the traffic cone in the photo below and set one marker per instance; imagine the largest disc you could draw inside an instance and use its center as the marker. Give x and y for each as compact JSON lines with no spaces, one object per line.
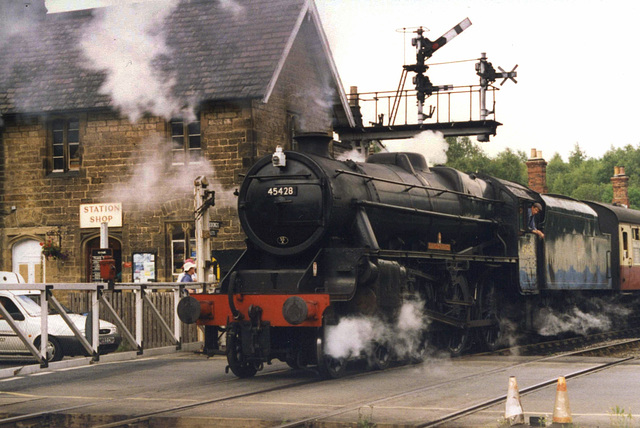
{"x":561,"y":410}
{"x":513,"y":411}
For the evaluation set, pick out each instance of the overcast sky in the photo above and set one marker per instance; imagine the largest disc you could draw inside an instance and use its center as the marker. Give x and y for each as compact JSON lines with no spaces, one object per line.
{"x":577,"y":66}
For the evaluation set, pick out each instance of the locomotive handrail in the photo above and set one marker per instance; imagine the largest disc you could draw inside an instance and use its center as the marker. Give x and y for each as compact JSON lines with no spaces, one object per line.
{"x":425,"y":212}
{"x":416,"y":186}
{"x":275,"y":177}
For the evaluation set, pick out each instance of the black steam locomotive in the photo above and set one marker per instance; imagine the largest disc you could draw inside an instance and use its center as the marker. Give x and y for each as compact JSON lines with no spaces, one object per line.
{"x":330,"y":240}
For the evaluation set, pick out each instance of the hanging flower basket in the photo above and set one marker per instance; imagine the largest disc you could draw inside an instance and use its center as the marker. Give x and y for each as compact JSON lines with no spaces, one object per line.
{"x":52,"y":251}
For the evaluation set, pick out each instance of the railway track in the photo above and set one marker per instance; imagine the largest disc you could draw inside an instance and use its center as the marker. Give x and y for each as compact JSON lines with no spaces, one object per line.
{"x":568,"y":344}
{"x":481,"y":405}
{"x":45,"y":418}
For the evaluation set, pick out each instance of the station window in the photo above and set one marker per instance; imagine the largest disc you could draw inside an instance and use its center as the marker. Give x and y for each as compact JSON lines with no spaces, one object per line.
{"x":186,"y":142}
{"x":182,"y":244}
{"x":65,"y":144}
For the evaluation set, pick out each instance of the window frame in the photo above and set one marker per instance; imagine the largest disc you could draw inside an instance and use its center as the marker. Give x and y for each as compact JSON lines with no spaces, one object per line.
{"x":64,"y":144}
{"x":180,"y":237}
{"x":189,"y":153}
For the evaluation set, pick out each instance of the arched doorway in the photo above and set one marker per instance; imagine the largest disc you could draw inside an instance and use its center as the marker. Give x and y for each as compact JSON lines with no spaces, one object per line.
{"x":94,"y":244}
{"x":27,"y":260}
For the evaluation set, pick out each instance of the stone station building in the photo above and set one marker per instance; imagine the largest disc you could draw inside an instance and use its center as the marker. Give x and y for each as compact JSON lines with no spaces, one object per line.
{"x":252,"y":72}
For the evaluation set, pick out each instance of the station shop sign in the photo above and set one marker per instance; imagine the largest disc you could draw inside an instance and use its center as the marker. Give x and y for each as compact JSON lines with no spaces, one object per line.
{"x":93,"y":215}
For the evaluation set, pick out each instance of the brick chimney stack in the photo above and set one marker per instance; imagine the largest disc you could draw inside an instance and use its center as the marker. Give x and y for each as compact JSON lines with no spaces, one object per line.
{"x":537,"y":172}
{"x":354,"y":104}
{"x":620,"y":183}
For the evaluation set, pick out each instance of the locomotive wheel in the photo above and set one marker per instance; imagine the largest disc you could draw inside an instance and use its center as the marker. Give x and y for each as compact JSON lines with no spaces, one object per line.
{"x":491,"y":337}
{"x":328,"y":366}
{"x":381,"y":357}
{"x":457,"y":340}
{"x":240,"y":368}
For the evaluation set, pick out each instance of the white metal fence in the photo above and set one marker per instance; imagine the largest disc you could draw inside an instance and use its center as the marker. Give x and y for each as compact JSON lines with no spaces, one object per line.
{"x":145,"y":316}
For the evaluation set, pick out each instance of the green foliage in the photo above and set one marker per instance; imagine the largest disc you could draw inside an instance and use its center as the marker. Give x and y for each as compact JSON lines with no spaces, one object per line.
{"x":467,"y":156}
{"x":365,"y":421}
{"x":620,"y":418}
{"x":582,"y":177}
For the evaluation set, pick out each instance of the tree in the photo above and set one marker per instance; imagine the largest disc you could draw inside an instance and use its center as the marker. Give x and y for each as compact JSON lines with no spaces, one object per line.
{"x":466,"y":156}
{"x":577,"y":156}
{"x":511,"y":166}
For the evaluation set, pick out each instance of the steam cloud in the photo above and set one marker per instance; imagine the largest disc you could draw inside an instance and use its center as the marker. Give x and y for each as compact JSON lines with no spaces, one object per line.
{"x":354,"y":155}
{"x":232,"y":7}
{"x":146,"y":184}
{"x":550,"y":323}
{"x":125,"y":42}
{"x":355,"y":336}
{"x":432,"y":145}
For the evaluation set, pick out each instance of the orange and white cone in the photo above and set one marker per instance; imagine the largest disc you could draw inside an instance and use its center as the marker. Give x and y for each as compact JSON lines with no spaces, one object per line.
{"x":513,"y":411}
{"x":561,"y":410}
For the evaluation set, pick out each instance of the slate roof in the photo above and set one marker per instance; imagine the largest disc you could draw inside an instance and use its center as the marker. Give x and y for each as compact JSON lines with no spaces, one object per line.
{"x":216,"y":56}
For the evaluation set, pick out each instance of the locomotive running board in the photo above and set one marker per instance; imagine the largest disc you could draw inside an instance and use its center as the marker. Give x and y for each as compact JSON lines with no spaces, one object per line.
{"x":400,"y":254}
{"x":437,"y":316}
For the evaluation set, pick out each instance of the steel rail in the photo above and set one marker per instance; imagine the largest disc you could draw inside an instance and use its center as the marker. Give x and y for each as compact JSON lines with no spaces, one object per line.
{"x":351,"y":407}
{"x":147,"y":416}
{"x":497,"y":400}
{"x":358,"y":405}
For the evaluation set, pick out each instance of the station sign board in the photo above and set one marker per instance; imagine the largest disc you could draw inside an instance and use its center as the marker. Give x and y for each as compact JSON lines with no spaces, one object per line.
{"x":93,"y":215}
{"x":214,"y":227}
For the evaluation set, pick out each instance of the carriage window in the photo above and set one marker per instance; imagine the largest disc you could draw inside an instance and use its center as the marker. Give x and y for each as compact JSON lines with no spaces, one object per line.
{"x":625,"y":241}
{"x":636,"y":234}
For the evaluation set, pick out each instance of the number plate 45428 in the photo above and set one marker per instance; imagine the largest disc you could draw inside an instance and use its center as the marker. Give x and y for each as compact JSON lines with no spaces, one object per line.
{"x":282,"y":191}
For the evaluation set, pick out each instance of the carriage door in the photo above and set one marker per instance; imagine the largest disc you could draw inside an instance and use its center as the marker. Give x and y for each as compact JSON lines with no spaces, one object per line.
{"x":527,"y":253}
{"x":626,"y":254}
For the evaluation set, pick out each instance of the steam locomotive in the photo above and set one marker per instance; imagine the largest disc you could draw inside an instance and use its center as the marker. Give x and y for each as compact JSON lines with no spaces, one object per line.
{"x":330,"y":239}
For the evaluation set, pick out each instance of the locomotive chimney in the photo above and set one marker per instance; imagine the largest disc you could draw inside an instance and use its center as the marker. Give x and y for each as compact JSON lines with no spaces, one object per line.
{"x":537,"y":172}
{"x":620,"y":183}
{"x":314,"y":143}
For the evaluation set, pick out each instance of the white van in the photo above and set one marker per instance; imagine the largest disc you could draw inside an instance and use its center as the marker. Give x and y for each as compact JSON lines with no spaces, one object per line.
{"x":26,"y":312}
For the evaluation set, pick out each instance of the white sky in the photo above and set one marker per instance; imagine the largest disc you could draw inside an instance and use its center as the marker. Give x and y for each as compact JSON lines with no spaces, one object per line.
{"x":577,"y":64}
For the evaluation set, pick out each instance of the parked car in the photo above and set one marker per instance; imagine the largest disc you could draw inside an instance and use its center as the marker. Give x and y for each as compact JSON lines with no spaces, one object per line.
{"x":26,"y":312}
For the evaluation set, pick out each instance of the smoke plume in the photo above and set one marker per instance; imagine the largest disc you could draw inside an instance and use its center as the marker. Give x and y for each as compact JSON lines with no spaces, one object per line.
{"x":354,"y":155}
{"x":146,"y":183}
{"x":126,"y":42}
{"x":233,"y":7}
{"x":432,"y":145}
{"x":602,"y":315}
{"x":357,"y":336}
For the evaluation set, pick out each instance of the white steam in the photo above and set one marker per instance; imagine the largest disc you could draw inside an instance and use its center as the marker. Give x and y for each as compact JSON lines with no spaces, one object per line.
{"x":357,"y":336}
{"x":232,"y":7}
{"x":125,"y":42}
{"x":432,"y":145}
{"x":150,"y":173}
{"x":600,"y":317}
{"x":355,"y":155}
